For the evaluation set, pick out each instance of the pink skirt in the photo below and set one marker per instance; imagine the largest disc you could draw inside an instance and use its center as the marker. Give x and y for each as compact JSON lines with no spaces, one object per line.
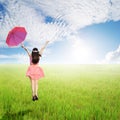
{"x":35,"y":72}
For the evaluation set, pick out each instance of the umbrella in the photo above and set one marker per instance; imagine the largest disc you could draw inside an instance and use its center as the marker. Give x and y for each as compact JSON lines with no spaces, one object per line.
{"x":16,"y":36}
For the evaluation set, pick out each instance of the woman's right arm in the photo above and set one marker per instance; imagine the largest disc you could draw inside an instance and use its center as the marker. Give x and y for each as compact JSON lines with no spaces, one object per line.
{"x":41,"y":51}
{"x":25,"y":49}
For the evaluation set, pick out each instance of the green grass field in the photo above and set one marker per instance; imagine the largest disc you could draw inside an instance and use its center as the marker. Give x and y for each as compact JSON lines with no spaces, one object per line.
{"x":68,"y":92}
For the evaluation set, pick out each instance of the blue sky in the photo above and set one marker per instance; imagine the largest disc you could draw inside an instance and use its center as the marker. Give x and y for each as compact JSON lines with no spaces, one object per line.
{"x":78,"y":32}
{"x":104,"y":37}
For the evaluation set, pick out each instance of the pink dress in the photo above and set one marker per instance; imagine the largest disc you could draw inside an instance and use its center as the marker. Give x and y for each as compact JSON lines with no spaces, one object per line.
{"x":34,"y":71}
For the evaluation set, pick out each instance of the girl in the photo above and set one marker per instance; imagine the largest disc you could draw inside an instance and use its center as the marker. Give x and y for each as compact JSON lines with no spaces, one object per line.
{"x":34,"y":71}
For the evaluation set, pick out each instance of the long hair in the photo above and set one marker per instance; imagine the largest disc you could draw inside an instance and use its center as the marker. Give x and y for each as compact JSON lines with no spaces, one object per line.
{"x":35,"y":56}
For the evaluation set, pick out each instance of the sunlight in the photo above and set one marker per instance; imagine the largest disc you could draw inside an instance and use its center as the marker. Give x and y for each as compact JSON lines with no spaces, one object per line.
{"x":81,"y":53}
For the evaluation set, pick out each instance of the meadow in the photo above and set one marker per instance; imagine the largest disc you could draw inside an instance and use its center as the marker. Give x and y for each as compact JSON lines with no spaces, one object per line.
{"x":68,"y":92}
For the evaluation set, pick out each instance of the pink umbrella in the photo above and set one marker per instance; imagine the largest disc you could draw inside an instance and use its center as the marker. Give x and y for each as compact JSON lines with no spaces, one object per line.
{"x":16,"y":36}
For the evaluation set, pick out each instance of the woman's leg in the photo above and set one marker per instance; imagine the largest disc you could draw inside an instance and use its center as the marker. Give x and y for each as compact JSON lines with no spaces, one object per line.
{"x":33,"y":87}
{"x":36,"y":87}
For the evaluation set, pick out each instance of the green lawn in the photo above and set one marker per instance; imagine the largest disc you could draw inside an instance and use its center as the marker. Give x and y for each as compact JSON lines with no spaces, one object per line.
{"x":68,"y":92}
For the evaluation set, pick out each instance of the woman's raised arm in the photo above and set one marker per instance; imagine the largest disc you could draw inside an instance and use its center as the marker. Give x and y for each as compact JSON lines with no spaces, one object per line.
{"x":25,"y":49}
{"x":41,"y":50}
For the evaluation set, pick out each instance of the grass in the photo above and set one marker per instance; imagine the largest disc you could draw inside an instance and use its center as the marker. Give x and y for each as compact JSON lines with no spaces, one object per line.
{"x":68,"y":92}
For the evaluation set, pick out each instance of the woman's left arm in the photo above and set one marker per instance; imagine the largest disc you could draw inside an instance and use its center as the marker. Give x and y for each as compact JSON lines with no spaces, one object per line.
{"x":25,"y":49}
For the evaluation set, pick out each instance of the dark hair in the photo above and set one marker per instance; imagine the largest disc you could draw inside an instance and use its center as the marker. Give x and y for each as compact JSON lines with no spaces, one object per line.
{"x":35,"y":56}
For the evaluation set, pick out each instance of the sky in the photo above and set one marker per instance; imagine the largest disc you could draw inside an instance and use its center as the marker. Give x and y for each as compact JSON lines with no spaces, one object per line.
{"x":80,"y":32}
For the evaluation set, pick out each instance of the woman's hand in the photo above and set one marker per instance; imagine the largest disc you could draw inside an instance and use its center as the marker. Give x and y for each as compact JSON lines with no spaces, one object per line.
{"x":47,"y":41}
{"x":22,"y":45}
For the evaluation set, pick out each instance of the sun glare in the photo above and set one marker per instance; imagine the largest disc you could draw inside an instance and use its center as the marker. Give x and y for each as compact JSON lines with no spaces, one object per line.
{"x":81,"y":53}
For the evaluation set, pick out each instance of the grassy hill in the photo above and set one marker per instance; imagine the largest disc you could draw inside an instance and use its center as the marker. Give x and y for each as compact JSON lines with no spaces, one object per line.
{"x":68,"y":92}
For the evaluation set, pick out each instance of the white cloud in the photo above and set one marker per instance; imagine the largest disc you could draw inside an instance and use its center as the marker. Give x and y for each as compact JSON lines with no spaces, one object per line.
{"x":81,"y":13}
{"x":114,"y":10}
{"x":2,"y":44}
{"x":18,"y":58}
{"x":4,"y":56}
{"x":112,"y":56}
{"x":69,"y":16}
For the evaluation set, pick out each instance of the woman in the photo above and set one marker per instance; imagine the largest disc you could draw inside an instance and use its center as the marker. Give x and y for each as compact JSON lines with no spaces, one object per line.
{"x":34,"y":71}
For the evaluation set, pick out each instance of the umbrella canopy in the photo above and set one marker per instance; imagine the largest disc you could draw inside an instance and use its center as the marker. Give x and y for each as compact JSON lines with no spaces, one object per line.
{"x":16,"y":36}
